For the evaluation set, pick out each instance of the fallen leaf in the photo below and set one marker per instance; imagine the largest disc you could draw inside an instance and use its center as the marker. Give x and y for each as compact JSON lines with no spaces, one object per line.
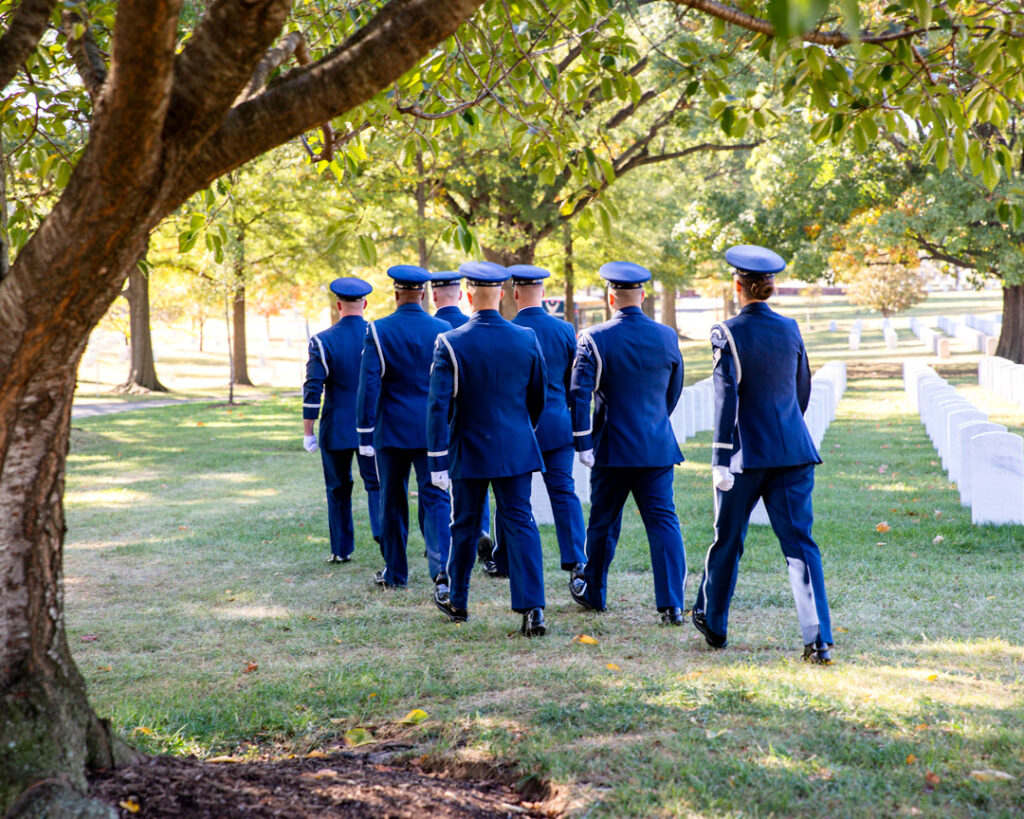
{"x":911,"y":759}
{"x":612,"y":667}
{"x":104,"y":668}
{"x":251,"y":666}
{"x":182,"y":528}
{"x":89,"y":638}
{"x":586,"y":639}
{"x":316,"y":754}
{"x":882,"y":468}
{"x":130,"y":805}
{"x":932,"y":778}
{"x":922,"y":727}
{"x":222,"y":759}
{"x":414,"y":717}
{"x":990,"y":597}
{"x":692,"y":675}
{"x":200,"y":424}
{"x":358,"y":736}
{"x":937,"y":539}
{"x":841,"y":630}
{"x":991,"y":776}
{"x":883,"y":527}
{"x":932,"y":677}
{"x":143,"y":730}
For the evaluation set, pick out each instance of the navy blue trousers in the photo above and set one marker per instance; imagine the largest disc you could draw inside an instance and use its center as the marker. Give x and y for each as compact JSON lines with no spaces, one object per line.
{"x":338,"y":478}
{"x":433,"y":511}
{"x":651,"y":487}
{"x":565,"y":508}
{"x":787,"y":497}
{"x":525,"y":559}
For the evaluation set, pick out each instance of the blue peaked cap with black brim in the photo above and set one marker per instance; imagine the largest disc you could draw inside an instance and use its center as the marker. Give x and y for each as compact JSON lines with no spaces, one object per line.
{"x":445,"y":277}
{"x":409,"y":276}
{"x":484,"y":274}
{"x":624,"y":275}
{"x":349,"y":288}
{"x":754,"y":260}
{"x":528,"y":273}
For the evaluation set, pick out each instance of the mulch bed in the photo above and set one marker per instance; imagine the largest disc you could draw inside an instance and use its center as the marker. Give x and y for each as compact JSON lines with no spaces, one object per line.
{"x":343,"y":783}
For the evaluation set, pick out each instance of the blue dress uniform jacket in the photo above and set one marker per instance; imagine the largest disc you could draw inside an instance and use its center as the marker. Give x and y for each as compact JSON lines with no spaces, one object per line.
{"x":557,"y":341}
{"x":452,"y":314}
{"x":487,"y":389}
{"x":759,"y":358}
{"x":632,"y":366}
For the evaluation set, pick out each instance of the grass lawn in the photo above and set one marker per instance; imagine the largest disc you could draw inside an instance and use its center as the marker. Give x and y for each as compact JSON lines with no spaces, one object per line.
{"x":205,"y":621}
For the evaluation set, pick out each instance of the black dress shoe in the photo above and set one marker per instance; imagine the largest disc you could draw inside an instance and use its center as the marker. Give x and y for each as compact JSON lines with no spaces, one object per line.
{"x":441,"y":587}
{"x":492,"y":570}
{"x":818,"y":653}
{"x":484,"y":548}
{"x":533,"y":623}
{"x":672,"y":616}
{"x":444,"y":604}
{"x":711,"y":638}
{"x":576,"y":570}
{"x":336,"y":559}
{"x":578,"y":591}
{"x":378,"y":577}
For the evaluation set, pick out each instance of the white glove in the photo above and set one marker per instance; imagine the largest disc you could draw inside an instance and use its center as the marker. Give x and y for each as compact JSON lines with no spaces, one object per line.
{"x":367,"y":451}
{"x":587,"y":458}
{"x":310,"y":444}
{"x":440,"y":480}
{"x":722,"y":478}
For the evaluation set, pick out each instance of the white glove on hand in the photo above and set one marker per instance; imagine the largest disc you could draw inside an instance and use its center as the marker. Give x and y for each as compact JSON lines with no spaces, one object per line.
{"x":587,"y":458}
{"x":440,"y":480}
{"x":310,"y":444}
{"x":722,"y":478}
{"x":367,"y":451}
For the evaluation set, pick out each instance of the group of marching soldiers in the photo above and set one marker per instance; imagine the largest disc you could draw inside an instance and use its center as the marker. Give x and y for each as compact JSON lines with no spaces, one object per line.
{"x":478,"y":403}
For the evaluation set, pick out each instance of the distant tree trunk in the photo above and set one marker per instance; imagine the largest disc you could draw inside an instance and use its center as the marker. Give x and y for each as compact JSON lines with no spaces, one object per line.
{"x":728,"y":302}
{"x":421,"y":212}
{"x":570,"y":277}
{"x":142,"y":370}
{"x":240,"y":367}
{"x":647,"y":305}
{"x":1011,"y":337}
{"x":521,"y":255}
{"x":668,"y":308}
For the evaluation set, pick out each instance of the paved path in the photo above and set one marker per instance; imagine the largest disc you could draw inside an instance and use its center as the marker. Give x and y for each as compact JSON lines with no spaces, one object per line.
{"x":86,"y":410}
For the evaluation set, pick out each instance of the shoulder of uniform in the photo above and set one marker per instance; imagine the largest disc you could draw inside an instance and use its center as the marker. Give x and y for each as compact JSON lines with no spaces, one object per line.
{"x":720,"y":334}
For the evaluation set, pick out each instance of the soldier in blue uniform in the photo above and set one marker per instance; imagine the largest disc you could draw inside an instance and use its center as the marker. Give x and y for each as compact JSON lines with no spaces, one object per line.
{"x":446,"y":290}
{"x":487,"y":388}
{"x":333,"y":371}
{"x":393,"y":381}
{"x":632,"y":367}
{"x":554,"y":430}
{"x":762,"y":449}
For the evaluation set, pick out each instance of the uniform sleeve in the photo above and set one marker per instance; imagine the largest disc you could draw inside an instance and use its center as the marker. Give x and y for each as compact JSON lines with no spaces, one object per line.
{"x":536,"y":390}
{"x":570,"y":353}
{"x":581,"y":388}
{"x":675,"y":381}
{"x":368,"y":396}
{"x":803,"y":379}
{"x":313,"y":386}
{"x":443,"y":375}
{"x":725,"y":382}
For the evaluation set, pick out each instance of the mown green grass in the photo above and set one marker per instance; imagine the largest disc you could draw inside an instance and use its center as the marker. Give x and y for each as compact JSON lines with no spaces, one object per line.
{"x":196,"y":541}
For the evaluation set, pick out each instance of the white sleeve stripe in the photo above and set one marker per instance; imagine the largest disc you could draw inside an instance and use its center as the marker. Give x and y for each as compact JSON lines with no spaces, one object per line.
{"x":455,"y":365}
{"x":436,"y":454}
{"x":323,"y":357}
{"x":597,"y":357}
{"x":735,"y":352}
{"x":367,"y":429}
{"x":717,"y":445}
{"x":380,"y":352}
{"x":311,"y":406}
{"x":582,"y":433}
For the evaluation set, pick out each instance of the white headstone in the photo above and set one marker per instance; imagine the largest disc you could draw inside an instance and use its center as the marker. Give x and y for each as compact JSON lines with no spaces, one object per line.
{"x":759,"y":515}
{"x":997,"y":478}
{"x":690,"y":398}
{"x":854,"y":340}
{"x":581,"y":478}
{"x":678,"y":419}
{"x":540,"y":501}
{"x":1017,"y":384}
{"x":831,"y":326}
{"x":936,"y":419}
{"x":952,"y":459}
{"x":966,"y":432}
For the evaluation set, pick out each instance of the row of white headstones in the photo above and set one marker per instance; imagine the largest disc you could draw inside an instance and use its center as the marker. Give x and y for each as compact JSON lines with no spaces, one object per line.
{"x":984,"y":460}
{"x":694,"y":412}
{"x":1002,"y":377}
{"x":974,"y":332}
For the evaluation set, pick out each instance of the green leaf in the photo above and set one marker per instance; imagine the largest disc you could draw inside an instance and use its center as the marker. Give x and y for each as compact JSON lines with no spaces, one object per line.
{"x":358,"y":736}
{"x":728,"y":118}
{"x":414,"y":717}
{"x":367,"y":250}
{"x":942,"y":155}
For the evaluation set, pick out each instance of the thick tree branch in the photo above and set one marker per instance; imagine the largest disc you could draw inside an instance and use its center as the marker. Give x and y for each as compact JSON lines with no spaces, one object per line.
{"x":761,"y":26}
{"x":375,"y":56}
{"x":274,"y":58}
{"x":88,"y":58}
{"x":22,"y":36}
{"x":640,"y":160}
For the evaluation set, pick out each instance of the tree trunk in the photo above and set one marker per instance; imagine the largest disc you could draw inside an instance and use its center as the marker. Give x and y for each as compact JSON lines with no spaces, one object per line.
{"x":647,"y":305}
{"x":570,"y":277}
{"x":521,"y":255}
{"x":668,"y":308}
{"x":142,"y":370}
{"x":421,"y":213}
{"x":1011,"y":337}
{"x":5,"y":242}
{"x":240,"y":367}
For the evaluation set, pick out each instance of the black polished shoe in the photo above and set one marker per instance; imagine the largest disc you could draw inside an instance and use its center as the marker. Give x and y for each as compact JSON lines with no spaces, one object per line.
{"x":576,"y":571}
{"x":578,"y":591}
{"x":484,"y":549}
{"x":672,"y":616}
{"x":491,"y":569}
{"x":441,"y":587}
{"x":711,"y":638}
{"x":378,"y":577}
{"x":818,"y":653}
{"x":533,"y":623}
{"x":444,"y":604}
{"x":336,"y":559}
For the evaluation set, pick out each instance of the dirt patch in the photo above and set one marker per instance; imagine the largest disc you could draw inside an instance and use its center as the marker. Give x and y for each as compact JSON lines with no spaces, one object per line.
{"x":342,"y":783}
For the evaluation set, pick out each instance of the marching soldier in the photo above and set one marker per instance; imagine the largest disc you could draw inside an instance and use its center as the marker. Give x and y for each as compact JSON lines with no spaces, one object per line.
{"x":554,"y":430}
{"x":487,"y":389}
{"x":762,"y":449}
{"x":333,"y":372}
{"x":632,"y":367}
{"x":446,"y":290}
{"x":393,"y":382}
